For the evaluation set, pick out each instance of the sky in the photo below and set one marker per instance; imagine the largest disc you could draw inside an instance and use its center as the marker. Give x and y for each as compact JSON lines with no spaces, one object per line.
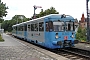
{"x":74,"y":8}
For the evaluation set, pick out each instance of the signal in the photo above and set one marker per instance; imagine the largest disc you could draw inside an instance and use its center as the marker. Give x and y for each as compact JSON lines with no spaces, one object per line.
{"x":35,"y":7}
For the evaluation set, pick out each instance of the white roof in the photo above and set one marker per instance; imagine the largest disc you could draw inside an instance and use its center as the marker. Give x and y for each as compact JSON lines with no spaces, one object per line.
{"x":34,"y":19}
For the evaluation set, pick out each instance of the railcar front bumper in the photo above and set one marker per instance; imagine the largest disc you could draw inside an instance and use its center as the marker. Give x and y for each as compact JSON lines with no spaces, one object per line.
{"x":57,"y":42}
{"x":64,"y":44}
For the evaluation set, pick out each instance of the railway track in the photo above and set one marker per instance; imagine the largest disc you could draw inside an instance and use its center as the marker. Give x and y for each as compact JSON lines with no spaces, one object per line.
{"x":73,"y":53}
{"x":70,"y":53}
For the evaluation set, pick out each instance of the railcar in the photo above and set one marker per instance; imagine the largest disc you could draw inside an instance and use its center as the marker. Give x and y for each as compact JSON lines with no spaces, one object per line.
{"x":51,"y":31}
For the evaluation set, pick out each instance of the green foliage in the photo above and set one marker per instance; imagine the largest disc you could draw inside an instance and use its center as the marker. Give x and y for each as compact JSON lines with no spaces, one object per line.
{"x":3,"y":8}
{"x":1,"y":20}
{"x":81,"y":34}
{"x":1,"y":39}
{"x":7,"y":24}
{"x":19,"y":18}
{"x":47,"y":12}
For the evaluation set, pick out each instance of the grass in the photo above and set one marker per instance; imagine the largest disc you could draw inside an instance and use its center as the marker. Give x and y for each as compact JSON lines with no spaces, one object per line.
{"x":83,"y":41}
{"x":1,"y":39}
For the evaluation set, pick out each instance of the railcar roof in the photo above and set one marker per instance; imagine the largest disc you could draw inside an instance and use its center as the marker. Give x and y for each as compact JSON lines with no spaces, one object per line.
{"x":47,"y":16}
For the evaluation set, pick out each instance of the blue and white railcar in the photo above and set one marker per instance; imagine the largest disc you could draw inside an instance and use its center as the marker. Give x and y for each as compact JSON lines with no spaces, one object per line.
{"x":51,"y":31}
{"x":19,"y":30}
{"x":14,"y":31}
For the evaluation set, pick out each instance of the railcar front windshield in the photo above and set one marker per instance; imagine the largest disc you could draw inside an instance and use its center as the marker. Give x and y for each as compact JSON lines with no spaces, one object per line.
{"x":70,"y":26}
{"x":58,"y":26}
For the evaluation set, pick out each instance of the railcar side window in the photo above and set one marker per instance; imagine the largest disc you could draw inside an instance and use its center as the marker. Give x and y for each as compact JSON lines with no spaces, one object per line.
{"x":25,"y":27}
{"x":50,"y":26}
{"x":32,"y":27}
{"x":29,"y":27}
{"x":21,"y":28}
{"x":47,"y":26}
{"x":41,"y":26}
{"x":18,"y":28}
{"x":14,"y":28}
{"x":36,"y":27}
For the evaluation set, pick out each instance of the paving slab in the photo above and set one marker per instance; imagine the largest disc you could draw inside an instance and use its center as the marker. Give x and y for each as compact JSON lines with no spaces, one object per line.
{"x":12,"y":49}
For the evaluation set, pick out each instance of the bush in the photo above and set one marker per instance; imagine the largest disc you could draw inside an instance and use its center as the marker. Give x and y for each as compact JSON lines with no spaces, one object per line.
{"x":1,"y":39}
{"x":81,"y":34}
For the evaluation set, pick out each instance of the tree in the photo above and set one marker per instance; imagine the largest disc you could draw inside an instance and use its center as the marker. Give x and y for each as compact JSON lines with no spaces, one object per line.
{"x":3,"y":8}
{"x":47,"y":12}
{"x":7,"y":24}
{"x":81,"y":34}
{"x":1,"y":20}
{"x":19,"y":18}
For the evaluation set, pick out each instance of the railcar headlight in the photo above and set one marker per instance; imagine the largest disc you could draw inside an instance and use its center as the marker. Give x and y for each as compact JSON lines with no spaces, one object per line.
{"x":72,"y":36}
{"x":56,"y":37}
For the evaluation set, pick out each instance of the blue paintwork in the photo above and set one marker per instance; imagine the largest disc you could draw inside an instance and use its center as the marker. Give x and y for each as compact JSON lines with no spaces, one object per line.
{"x":54,"y":17}
{"x":50,"y":40}
{"x":25,"y":35}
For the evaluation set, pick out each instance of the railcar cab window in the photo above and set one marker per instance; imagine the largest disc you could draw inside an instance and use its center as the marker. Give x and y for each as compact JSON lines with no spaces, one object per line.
{"x":70,"y":26}
{"x":58,"y":26}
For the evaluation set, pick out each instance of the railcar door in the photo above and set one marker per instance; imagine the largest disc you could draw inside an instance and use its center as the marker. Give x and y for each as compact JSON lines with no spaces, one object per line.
{"x":48,"y":28}
{"x":25,"y":31}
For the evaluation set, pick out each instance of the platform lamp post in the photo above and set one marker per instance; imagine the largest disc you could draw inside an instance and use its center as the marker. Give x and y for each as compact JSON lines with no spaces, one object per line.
{"x":35,"y":7}
{"x":88,"y":22}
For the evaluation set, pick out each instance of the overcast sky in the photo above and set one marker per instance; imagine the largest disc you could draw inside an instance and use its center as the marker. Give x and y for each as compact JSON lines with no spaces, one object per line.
{"x":74,"y":8}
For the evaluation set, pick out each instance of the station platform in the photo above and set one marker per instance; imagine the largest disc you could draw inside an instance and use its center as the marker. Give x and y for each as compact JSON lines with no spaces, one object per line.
{"x":14,"y":49}
{"x":83,"y":46}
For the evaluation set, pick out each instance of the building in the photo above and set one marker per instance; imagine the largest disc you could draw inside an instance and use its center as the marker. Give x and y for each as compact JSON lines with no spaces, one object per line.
{"x":83,"y":22}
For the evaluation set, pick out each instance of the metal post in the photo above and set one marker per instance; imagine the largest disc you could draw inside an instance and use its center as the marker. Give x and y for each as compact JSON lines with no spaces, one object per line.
{"x":35,"y":7}
{"x":34,"y":12}
{"x":88,"y":22}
